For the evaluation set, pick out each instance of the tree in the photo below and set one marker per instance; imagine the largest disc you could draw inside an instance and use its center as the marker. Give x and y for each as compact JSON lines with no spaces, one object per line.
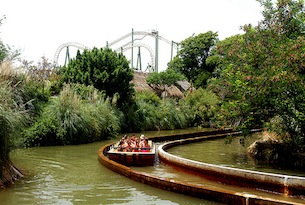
{"x":7,"y":52}
{"x":191,"y":58}
{"x":104,"y":69}
{"x":261,"y":76}
{"x":160,"y":82}
{"x":168,"y":77}
{"x":286,"y":18}
{"x":3,"y":49}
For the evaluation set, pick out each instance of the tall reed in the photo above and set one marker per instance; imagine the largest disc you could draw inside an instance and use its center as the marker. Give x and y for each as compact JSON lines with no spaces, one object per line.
{"x":71,"y":119}
{"x":11,"y":114}
{"x":152,"y":113}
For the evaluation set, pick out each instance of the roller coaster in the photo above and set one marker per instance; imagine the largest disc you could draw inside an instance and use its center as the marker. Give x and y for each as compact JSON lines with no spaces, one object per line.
{"x":130,"y":45}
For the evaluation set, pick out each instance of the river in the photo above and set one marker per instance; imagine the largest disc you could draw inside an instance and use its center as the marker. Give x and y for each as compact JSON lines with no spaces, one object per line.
{"x":233,"y":154}
{"x":73,"y":175}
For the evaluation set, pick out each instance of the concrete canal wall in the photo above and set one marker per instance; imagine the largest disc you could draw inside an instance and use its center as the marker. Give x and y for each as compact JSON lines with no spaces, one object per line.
{"x":206,"y":192}
{"x":284,"y":184}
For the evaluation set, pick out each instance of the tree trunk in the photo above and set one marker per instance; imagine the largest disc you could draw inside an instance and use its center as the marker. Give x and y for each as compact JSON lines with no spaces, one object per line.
{"x":9,"y":173}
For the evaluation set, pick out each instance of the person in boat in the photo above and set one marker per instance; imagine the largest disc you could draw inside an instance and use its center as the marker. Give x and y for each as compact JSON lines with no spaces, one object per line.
{"x":128,"y":148}
{"x":136,"y":146}
{"x":120,"y":146}
{"x":144,"y":146}
{"x":133,"y":143}
{"x":123,"y":143}
{"x":141,"y":142}
{"x":134,"y":137}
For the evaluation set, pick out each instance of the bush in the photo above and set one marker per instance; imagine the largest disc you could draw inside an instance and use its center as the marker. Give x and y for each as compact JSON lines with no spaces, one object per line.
{"x":11,"y":119}
{"x":105,"y":70}
{"x":171,"y":116}
{"x":200,"y":106}
{"x":149,"y":112}
{"x":68,"y":119}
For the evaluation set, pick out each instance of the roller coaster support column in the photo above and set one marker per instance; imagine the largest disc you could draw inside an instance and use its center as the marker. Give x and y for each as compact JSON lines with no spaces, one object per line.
{"x":172,"y":47}
{"x":67,"y":59}
{"x":156,"y":51}
{"x":139,"y":63}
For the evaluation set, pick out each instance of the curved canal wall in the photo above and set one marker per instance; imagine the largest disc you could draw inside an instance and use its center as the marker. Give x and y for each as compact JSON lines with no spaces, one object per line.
{"x":283,"y":184}
{"x":201,"y":191}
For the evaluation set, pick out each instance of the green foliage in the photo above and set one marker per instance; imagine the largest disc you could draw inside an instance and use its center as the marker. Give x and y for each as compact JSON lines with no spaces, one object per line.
{"x":149,"y":112}
{"x":168,"y":77}
{"x":23,"y":97}
{"x":202,"y":79}
{"x":286,"y":18}
{"x":3,"y":49}
{"x":87,"y":92}
{"x":74,"y":119}
{"x":105,"y":70}
{"x":223,"y":49}
{"x":171,"y":116}
{"x":191,"y":58}
{"x":12,"y":105}
{"x":148,"y":97}
{"x":201,"y":106}
{"x":12,"y":118}
{"x":261,"y":73}
{"x":69,"y":119}
{"x":6,"y":52}
{"x":35,"y":83}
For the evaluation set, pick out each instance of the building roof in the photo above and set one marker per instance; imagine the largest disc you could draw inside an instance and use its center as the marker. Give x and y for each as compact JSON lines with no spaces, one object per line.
{"x":141,"y":85}
{"x":139,"y":81}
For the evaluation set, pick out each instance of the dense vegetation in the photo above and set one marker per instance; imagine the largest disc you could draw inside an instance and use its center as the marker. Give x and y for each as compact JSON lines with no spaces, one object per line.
{"x":260,"y":74}
{"x":251,"y":80}
{"x":191,"y":59}
{"x":19,"y":94}
{"x":104,"y":69}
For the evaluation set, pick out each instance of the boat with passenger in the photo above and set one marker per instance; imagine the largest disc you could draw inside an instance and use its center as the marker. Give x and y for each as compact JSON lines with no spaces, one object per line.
{"x":133,"y":151}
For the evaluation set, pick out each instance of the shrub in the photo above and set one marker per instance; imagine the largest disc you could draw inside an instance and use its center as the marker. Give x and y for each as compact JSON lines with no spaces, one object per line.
{"x":200,"y":107}
{"x":68,"y":119}
{"x":105,"y":70}
{"x":149,"y":112}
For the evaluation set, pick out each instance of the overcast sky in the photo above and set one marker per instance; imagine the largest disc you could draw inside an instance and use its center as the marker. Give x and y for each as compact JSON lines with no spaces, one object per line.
{"x":39,"y":27}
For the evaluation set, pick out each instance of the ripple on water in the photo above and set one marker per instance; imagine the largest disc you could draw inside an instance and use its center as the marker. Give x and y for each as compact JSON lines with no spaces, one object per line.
{"x":73,"y":175}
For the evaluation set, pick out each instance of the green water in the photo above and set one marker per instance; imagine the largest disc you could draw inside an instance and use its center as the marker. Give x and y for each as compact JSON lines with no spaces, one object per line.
{"x":233,"y":154}
{"x":73,"y":175}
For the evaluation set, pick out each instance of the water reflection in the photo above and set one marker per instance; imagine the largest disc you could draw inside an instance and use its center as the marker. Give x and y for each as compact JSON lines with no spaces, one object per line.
{"x":73,"y":175}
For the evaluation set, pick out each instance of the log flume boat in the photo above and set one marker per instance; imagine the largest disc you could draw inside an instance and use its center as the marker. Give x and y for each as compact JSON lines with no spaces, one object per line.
{"x":133,"y":156}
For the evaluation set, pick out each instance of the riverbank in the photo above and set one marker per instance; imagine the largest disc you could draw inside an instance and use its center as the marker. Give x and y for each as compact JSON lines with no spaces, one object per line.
{"x":9,"y":175}
{"x":273,"y":150}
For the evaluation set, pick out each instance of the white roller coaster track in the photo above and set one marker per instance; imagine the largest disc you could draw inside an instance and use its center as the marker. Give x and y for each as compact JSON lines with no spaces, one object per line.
{"x":139,"y":44}
{"x":65,"y":45}
{"x":143,"y":33}
{"x":124,"y":47}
